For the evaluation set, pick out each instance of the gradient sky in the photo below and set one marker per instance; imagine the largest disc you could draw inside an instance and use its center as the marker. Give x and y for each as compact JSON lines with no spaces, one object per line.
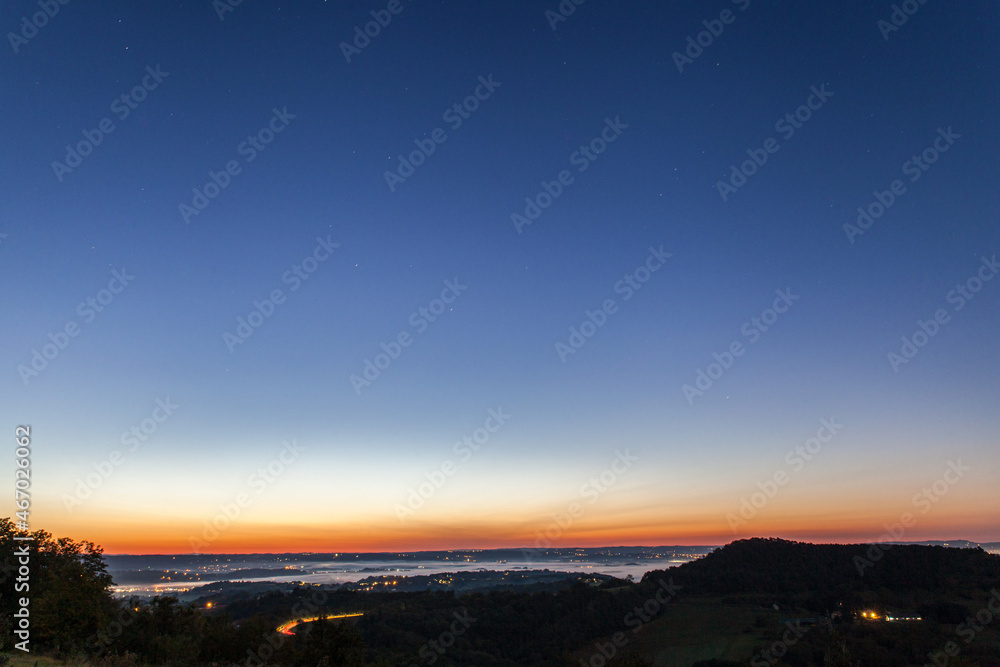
{"x":495,"y":346}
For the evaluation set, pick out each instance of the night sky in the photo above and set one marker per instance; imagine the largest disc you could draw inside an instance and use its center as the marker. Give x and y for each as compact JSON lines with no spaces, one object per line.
{"x":575,"y":274}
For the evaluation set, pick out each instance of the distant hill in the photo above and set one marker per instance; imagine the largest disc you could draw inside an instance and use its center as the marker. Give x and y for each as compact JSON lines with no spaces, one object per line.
{"x":523,"y":581}
{"x":770,"y":565}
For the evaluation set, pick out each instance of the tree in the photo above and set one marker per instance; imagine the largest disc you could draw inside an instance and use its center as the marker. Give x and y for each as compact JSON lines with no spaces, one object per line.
{"x":68,"y":588}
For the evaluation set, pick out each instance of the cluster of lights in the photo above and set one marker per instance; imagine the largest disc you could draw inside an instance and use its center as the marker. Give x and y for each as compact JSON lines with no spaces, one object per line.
{"x":871,"y":615}
{"x":372,"y":584}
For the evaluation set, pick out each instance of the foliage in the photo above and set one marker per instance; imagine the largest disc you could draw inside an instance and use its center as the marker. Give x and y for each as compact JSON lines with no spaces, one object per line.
{"x":68,"y":588}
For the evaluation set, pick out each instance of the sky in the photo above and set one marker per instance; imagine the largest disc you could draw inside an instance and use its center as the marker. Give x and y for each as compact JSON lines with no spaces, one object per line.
{"x":426,"y":275}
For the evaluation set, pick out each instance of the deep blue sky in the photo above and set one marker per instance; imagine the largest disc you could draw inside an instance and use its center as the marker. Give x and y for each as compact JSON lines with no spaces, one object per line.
{"x":655,"y":185}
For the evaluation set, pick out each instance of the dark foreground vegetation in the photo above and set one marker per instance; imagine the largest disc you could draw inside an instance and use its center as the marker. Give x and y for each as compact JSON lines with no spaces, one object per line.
{"x":753,"y":602}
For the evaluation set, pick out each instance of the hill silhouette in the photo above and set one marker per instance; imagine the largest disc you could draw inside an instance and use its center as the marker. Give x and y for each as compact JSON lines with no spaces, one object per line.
{"x":771,"y":565}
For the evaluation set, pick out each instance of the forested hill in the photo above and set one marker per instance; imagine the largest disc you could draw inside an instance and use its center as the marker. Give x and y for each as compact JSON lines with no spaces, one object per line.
{"x":769,"y":565}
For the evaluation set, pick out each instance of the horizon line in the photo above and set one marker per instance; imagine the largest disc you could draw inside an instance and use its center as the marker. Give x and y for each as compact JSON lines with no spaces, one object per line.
{"x":537,"y":549}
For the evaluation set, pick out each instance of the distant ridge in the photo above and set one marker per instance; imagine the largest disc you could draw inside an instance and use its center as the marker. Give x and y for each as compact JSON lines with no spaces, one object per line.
{"x":771,"y":565}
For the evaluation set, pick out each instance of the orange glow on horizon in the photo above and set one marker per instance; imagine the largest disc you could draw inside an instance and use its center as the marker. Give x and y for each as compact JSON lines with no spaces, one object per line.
{"x":290,"y":539}
{"x":710,"y":522}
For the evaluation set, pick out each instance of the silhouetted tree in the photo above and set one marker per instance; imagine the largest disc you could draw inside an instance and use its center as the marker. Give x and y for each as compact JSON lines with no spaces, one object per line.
{"x":68,"y":586}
